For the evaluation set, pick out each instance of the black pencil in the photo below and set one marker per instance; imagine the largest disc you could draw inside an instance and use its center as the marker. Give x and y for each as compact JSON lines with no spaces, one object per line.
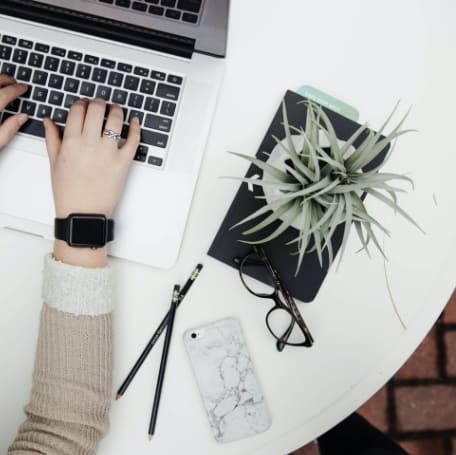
{"x":164,"y":359}
{"x":156,"y":335}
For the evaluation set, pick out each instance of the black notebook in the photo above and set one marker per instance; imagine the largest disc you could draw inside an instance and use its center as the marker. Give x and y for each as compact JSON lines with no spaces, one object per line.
{"x":226,"y":245}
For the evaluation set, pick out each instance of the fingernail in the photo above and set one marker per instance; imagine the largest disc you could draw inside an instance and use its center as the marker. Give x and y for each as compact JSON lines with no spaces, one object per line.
{"x":22,"y":119}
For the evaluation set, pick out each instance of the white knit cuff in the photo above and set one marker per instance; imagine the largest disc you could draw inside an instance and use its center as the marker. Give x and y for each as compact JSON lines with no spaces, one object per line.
{"x":77,"y":290}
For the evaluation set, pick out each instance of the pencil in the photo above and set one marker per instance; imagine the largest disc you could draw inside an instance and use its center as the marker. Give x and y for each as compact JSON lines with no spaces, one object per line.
{"x":123,"y":388}
{"x":163,"y":361}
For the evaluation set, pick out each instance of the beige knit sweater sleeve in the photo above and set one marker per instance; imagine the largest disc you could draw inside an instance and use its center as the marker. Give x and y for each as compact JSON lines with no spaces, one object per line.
{"x":71,"y":389}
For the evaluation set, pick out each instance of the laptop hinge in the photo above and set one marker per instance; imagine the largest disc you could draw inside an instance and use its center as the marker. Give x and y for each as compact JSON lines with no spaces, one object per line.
{"x":99,"y":26}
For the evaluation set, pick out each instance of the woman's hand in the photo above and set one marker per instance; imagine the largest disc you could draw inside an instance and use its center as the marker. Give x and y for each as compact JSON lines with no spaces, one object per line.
{"x":88,"y":170}
{"x":9,"y":91}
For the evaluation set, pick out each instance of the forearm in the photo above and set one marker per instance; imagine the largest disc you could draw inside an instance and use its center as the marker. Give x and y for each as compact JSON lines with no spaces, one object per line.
{"x":71,"y":391}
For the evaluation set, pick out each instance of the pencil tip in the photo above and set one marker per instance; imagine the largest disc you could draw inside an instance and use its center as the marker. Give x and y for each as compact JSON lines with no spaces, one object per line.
{"x":150,"y":437}
{"x":118,"y":396}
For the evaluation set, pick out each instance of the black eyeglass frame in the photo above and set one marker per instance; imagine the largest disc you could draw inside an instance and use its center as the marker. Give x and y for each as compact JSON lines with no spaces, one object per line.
{"x":289,"y":306}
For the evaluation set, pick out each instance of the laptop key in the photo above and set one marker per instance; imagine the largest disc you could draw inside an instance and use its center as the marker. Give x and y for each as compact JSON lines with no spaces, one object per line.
{"x":124,"y":132}
{"x":193,"y":6}
{"x":44,"y":111}
{"x":135,"y":113}
{"x":51,"y":63}
{"x":87,"y":89}
{"x":139,"y":71}
{"x":119,"y":96}
{"x":138,"y":6}
{"x":20,"y":55}
{"x":108,"y":63}
{"x":151,"y":104}
{"x":9,"y":69}
{"x":191,"y":18}
{"x":25,"y":43}
{"x":14,"y":105}
{"x":67,"y":67}
{"x":69,"y":100}
{"x":125,"y":67}
{"x":168,"y":108}
{"x":147,"y":87}
{"x":99,"y":75}
{"x":155,"y":161}
{"x":42,"y":48}
{"x":157,"y":10}
{"x":55,"y":98}
{"x":40,"y":77}
{"x":28,"y":107}
{"x":71,"y":85}
{"x":168,"y":3}
{"x":104,"y":92}
{"x":156,"y":122}
{"x":74,"y":55}
{"x":58,"y":51}
{"x":83,"y":71}
{"x":131,"y":83}
{"x":5,"y":52}
{"x":91,"y":59}
{"x":158,"y":75}
{"x":174,"y":79}
{"x":35,"y":60}
{"x":28,"y":93}
{"x":135,"y":100}
{"x":40,"y":94}
{"x":9,"y":40}
{"x":173,"y":14}
{"x":140,"y":158}
{"x":115,"y":79}
{"x":154,"y":138}
{"x":33,"y":127}
{"x":55,"y":81}
{"x":60,"y":115}
{"x":106,"y":1}
{"x":142,"y":150}
{"x":124,"y":3}
{"x":168,"y":91}
{"x":24,"y":74}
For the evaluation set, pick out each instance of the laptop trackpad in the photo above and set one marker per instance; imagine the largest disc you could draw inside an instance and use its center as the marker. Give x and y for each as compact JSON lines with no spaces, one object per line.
{"x":25,"y":186}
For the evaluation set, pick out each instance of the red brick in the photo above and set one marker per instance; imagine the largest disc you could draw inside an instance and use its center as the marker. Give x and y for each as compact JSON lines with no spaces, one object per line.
{"x":449,"y":314}
{"x":374,"y":410}
{"x":423,"y":362}
{"x":450,"y":345}
{"x":424,"y":447}
{"x":309,"y":449}
{"x":426,"y":407}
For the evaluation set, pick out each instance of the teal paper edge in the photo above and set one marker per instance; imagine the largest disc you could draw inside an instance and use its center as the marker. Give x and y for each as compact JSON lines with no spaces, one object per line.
{"x":329,"y":102}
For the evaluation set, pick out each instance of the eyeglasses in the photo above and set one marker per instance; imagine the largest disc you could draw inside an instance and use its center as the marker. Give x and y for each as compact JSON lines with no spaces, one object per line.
{"x":283,"y":320}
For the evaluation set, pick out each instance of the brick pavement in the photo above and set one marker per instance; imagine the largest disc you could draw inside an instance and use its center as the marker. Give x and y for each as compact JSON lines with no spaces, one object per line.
{"x":417,"y":407}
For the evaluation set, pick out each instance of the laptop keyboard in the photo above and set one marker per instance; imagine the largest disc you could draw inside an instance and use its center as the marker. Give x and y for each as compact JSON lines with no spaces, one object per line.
{"x":57,"y":77}
{"x":187,"y":11}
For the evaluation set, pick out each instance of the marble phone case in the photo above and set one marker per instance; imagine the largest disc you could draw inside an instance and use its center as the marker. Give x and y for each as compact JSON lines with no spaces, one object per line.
{"x":223,"y":369}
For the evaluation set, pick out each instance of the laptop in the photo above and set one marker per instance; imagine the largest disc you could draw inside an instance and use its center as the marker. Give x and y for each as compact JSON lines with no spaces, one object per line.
{"x":161,"y":60}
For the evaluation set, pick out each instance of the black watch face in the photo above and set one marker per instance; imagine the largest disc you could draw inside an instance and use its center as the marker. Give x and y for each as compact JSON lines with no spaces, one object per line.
{"x":88,"y":231}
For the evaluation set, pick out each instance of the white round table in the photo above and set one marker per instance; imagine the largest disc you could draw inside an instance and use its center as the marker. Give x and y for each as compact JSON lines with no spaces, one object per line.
{"x":370,"y":55}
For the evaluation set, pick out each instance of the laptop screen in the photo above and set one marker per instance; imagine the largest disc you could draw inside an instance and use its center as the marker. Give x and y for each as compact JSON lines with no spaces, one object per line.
{"x":172,"y":26}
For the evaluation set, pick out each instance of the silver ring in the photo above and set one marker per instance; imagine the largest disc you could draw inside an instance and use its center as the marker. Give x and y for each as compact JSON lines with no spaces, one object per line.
{"x":113,"y":135}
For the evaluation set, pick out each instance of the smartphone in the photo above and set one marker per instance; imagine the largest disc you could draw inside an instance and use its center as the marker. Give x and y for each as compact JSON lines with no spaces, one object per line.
{"x":229,"y":388}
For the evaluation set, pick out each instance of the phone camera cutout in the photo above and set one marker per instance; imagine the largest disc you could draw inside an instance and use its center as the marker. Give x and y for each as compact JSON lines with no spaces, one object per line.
{"x":194,"y":335}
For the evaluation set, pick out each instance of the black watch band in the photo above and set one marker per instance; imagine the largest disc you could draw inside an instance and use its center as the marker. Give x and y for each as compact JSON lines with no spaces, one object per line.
{"x":84,"y":230}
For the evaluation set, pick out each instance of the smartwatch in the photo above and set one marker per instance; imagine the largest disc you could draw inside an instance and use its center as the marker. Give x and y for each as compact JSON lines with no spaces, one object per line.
{"x":82,"y":230}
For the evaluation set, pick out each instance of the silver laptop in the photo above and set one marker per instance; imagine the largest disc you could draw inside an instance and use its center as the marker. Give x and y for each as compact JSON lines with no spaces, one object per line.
{"x":161,"y":60}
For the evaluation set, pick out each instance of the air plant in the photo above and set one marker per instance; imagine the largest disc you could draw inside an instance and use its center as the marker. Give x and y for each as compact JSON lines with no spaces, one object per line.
{"x":320,"y":186}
